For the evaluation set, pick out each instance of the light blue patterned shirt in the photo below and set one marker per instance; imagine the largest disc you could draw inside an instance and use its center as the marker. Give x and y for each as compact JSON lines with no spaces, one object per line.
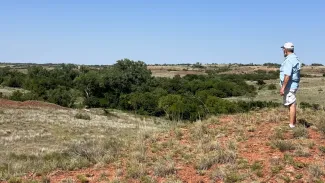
{"x":291,"y":67}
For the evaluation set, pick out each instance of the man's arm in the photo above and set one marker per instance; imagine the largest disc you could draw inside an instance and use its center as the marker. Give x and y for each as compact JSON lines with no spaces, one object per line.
{"x":284,"y":84}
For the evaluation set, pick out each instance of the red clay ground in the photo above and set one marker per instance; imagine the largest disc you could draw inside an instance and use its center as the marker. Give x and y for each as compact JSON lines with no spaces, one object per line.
{"x":27,"y":104}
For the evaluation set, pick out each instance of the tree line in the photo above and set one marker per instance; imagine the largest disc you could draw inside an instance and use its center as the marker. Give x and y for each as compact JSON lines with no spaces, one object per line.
{"x":129,"y":85}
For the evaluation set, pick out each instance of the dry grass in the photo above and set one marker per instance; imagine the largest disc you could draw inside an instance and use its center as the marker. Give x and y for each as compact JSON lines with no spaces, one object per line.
{"x":41,"y":140}
{"x":284,"y":145}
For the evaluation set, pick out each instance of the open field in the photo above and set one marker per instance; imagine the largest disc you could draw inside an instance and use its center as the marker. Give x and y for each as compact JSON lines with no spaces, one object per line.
{"x":50,"y":145}
{"x":36,"y":137}
{"x":312,"y":90}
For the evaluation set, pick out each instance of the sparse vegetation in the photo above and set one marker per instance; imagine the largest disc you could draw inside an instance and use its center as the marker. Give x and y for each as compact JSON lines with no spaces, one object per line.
{"x":300,"y":132}
{"x":284,"y":145}
{"x":164,"y":168}
{"x":315,"y":170}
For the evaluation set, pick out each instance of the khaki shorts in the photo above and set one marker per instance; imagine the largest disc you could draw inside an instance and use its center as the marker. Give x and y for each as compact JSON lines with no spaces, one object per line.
{"x":289,"y":97}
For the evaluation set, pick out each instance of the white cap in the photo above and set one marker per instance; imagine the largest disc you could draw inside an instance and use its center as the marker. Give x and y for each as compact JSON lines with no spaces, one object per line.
{"x":288,"y":45}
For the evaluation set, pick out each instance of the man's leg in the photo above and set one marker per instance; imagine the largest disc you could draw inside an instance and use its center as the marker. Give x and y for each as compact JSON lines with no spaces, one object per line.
{"x":293,"y":111}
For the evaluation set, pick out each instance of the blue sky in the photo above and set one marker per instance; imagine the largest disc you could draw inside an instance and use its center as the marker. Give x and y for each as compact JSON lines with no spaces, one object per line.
{"x":160,"y":31}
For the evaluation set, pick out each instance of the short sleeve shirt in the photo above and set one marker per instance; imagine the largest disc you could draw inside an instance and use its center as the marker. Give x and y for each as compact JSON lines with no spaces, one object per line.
{"x":291,"y":67}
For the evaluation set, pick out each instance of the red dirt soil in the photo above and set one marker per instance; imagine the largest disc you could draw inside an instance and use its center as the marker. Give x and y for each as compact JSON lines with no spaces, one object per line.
{"x":4,"y":103}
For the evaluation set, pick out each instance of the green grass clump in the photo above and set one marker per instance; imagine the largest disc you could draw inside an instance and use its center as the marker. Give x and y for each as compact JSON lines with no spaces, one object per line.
{"x":221,"y":156}
{"x":15,"y":180}
{"x":284,"y":145}
{"x":82,"y":116}
{"x":315,"y":171}
{"x":300,"y":132}
{"x":82,"y":179}
{"x":164,"y":168}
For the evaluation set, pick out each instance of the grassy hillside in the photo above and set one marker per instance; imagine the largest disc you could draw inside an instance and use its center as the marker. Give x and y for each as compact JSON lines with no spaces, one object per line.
{"x":42,"y":144}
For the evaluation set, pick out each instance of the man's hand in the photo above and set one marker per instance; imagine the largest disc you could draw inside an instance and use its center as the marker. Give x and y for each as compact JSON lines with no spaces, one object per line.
{"x":282,"y":91}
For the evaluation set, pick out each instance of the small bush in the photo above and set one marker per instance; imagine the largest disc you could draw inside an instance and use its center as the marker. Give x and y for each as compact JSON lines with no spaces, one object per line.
{"x":276,"y":169}
{"x":300,"y":132}
{"x":260,"y":82}
{"x":164,"y":168}
{"x":271,"y":87}
{"x":284,"y":145}
{"x":17,"y":96}
{"x":302,"y":152}
{"x":135,"y":170}
{"x":82,"y":179}
{"x":221,"y":156}
{"x":257,"y":166}
{"x":82,"y":116}
{"x":315,"y":170}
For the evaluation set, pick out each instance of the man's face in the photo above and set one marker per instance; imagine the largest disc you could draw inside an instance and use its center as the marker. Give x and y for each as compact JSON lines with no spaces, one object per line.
{"x":285,"y":52}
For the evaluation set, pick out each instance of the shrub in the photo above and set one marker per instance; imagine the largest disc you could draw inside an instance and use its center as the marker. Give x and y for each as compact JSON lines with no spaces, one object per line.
{"x":315,"y":170}
{"x":272,"y":87}
{"x":82,"y":116}
{"x":164,"y":168}
{"x":61,"y":96}
{"x":17,"y":96}
{"x":284,"y":145}
{"x":82,"y":178}
{"x":260,"y":82}
{"x":300,"y":132}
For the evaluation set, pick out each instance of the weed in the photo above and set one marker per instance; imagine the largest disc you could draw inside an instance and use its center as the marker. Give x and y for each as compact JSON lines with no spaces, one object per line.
{"x":284,"y":145}
{"x":278,"y":135}
{"x":286,"y":179}
{"x":260,"y":173}
{"x":257,"y":165}
{"x":276,"y":169}
{"x":242,"y":164}
{"x":299,"y":176}
{"x":302,"y":152}
{"x":163,"y":168}
{"x":232,"y":177}
{"x":300,"y":132}
{"x":311,"y":144}
{"x":82,"y":179}
{"x":288,"y":159}
{"x":15,"y":180}
{"x":221,"y":156}
{"x":315,"y":170}
{"x":179,"y":134}
{"x":82,"y":116}
{"x":135,"y":170}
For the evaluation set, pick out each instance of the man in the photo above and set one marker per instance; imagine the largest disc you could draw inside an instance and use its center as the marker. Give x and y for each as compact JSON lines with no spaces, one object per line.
{"x":289,"y":80}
